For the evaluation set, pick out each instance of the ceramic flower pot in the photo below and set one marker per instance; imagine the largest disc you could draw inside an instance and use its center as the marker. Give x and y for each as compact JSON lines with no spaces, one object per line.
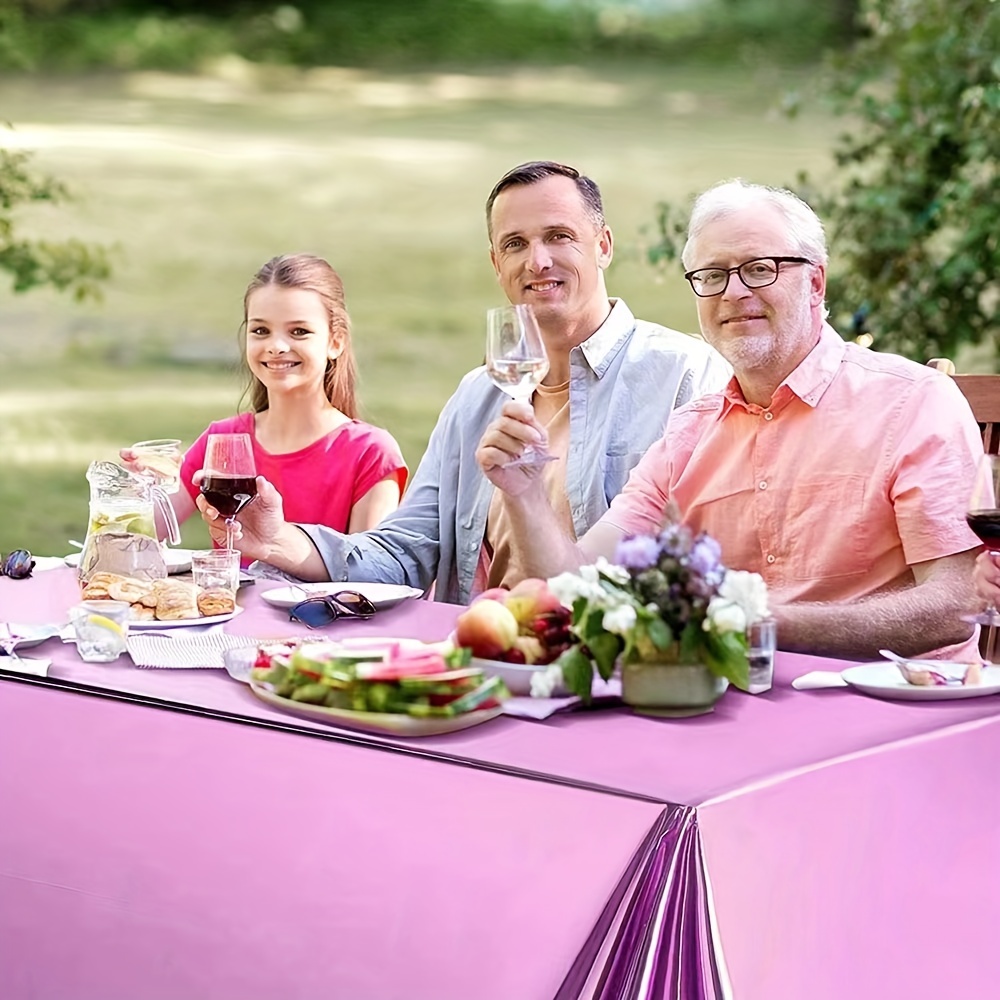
{"x":672,"y":690}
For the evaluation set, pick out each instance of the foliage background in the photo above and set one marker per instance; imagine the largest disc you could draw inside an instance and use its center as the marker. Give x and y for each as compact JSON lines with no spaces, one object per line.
{"x":192,"y":163}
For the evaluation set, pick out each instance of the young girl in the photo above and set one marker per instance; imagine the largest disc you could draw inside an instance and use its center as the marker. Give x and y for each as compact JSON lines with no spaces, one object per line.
{"x":330,"y":467}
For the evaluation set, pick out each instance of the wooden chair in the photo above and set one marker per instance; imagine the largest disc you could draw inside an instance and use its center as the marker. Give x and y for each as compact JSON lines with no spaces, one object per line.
{"x":983,"y":394}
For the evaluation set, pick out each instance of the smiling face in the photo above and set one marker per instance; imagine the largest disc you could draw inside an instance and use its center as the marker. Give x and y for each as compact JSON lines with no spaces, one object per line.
{"x":762,"y":332}
{"x":549,"y":252}
{"x":288,"y":339}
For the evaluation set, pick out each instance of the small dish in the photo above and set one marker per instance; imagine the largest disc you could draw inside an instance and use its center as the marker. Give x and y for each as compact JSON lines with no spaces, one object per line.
{"x":382,"y":595}
{"x":882,"y":679}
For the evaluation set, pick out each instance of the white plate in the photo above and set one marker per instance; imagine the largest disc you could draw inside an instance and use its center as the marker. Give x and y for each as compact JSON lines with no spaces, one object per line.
{"x":382,"y":595}
{"x":381,"y":723}
{"x":517,"y":676}
{"x":883,"y":680}
{"x":29,"y":635}
{"x":177,"y":560}
{"x":151,"y":623}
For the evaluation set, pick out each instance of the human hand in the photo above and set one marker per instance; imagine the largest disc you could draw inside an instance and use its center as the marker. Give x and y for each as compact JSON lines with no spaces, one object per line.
{"x":257,"y":527}
{"x":503,"y":441}
{"x":986,"y":577}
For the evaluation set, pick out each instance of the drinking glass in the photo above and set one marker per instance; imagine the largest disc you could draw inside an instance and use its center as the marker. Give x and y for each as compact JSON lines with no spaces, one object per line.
{"x":516,"y":363}
{"x":216,"y":569}
{"x":984,"y":519}
{"x":161,"y":458}
{"x":762,"y":641}
{"x":101,"y":629}
{"x":229,"y":480}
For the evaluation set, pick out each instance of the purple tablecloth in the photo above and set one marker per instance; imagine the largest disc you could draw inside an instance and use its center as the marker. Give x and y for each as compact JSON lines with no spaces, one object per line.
{"x":821,"y":818}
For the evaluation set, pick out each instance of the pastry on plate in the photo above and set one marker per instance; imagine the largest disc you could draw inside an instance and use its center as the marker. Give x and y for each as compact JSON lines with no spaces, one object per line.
{"x":177,"y":600}
{"x":216,"y":601}
{"x":96,"y":588}
{"x":131,"y":590}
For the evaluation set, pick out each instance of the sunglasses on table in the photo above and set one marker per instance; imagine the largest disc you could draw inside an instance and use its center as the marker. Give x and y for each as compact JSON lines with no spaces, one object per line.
{"x":17,"y":565}
{"x":315,"y":612}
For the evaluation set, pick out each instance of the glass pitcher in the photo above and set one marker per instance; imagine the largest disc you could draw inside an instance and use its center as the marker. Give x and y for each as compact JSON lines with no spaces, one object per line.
{"x":121,"y":535}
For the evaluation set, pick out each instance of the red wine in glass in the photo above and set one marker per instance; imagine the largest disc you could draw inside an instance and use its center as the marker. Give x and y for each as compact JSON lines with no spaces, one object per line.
{"x":983,"y":517}
{"x":986,"y":524}
{"x":229,"y":482}
{"x":229,"y":494}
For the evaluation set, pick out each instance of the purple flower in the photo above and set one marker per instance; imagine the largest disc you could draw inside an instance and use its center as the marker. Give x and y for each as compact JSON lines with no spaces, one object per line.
{"x":675,"y":540}
{"x":705,"y":555}
{"x":637,"y":553}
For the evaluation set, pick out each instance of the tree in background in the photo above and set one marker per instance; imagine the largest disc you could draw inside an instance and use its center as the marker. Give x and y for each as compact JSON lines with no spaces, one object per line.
{"x":68,"y":265}
{"x":914,"y":217}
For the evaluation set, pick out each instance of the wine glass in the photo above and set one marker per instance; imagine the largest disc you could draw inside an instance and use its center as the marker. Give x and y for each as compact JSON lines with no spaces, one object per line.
{"x":229,"y":482}
{"x":984,"y":519}
{"x":516,"y":363}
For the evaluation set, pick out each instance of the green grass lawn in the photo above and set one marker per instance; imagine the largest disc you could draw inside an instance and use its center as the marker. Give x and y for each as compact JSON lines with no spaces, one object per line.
{"x":197,"y":181}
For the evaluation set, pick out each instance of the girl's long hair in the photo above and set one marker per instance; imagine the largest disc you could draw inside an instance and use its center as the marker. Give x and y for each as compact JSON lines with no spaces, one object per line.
{"x":302,"y":270}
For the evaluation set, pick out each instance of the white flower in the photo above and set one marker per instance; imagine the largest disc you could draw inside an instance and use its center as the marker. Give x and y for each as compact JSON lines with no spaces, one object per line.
{"x":620,"y":620}
{"x":724,"y":616}
{"x":544,"y":682}
{"x":567,"y":587}
{"x":616,"y":574}
{"x":748,"y":591}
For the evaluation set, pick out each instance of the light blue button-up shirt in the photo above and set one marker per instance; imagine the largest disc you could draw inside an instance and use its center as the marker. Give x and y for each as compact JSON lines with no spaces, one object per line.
{"x":624,"y":381}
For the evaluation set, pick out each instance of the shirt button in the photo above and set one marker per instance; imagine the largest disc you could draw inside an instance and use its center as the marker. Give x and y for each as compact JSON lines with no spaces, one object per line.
{"x":770,"y":558}
{"x":763,"y":485}
{"x":768,"y":415}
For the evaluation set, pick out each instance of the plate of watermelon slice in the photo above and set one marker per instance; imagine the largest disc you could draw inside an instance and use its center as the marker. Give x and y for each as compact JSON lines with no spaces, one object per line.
{"x":391,"y":687}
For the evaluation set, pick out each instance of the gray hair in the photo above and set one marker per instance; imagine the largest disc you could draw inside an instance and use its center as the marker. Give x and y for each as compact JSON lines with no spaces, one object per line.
{"x":727,"y":197}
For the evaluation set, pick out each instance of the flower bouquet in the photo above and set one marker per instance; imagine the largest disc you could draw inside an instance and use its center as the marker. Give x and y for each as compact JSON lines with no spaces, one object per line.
{"x":665,"y":599}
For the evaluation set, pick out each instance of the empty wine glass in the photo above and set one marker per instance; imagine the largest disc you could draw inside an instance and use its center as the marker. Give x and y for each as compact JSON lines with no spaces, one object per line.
{"x":984,"y":519}
{"x":516,"y":363}
{"x":229,"y":482}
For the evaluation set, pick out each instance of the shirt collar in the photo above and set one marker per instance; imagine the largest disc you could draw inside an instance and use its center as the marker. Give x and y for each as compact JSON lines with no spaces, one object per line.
{"x":810,"y":379}
{"x":601,"y":346}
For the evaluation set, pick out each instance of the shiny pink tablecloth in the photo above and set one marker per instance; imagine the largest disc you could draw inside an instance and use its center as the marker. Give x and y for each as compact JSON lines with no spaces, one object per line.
{"x":835,"y":830}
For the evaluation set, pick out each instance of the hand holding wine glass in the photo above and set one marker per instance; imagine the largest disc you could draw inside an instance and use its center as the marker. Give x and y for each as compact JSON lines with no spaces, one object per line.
{"x":516,"y":363}
{"x":984,"y":519}
{"x":229,"y":482}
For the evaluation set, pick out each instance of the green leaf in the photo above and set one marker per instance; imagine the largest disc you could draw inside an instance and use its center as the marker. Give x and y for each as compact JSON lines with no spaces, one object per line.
{"x":659,"y":633}
{"x":578,"y":673}
{"x":605,"y":648}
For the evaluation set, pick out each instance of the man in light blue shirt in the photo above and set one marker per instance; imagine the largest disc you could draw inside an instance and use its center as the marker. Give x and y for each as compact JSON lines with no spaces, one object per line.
{"x":614,"y":379}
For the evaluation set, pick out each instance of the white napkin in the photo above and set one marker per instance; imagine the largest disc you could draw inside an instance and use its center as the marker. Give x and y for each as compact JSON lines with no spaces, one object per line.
{"x":183,"y":650}
{"x":542,"y":708}
{"x":817,"y":679}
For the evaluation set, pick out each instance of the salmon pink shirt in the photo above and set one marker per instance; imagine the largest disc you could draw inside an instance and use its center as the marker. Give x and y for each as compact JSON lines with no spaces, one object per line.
{"x":861,"y":466}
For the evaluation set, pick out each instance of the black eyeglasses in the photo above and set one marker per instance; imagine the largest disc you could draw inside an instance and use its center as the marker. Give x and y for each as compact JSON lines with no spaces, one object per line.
{"x":18,"y":565}
{"x":757,"y":273}
{"x":315,"y":612}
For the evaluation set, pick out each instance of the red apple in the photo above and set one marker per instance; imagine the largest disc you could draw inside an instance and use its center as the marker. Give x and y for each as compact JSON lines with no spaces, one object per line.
{"x":493,"y":594}
{"x":531,"y":598}
{"x":487,"y":628}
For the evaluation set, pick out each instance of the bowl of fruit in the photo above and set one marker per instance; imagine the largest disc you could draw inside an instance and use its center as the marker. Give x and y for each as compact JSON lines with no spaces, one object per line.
{"x":514,"y":634}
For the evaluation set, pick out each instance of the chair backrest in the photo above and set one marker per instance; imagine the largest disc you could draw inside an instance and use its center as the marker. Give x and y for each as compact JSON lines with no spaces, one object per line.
{"x":983,"y":394}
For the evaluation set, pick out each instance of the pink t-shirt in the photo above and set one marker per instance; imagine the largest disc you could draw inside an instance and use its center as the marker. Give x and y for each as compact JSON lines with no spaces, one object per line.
{"x":321,"y":483}
{"x":861,"y":466}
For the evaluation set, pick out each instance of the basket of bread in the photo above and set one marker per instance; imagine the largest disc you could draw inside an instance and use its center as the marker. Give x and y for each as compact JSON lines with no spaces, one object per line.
{"x":160,"y":600}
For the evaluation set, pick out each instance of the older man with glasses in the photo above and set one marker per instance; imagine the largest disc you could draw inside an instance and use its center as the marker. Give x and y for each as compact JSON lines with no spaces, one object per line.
{"x":839,"y":474}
